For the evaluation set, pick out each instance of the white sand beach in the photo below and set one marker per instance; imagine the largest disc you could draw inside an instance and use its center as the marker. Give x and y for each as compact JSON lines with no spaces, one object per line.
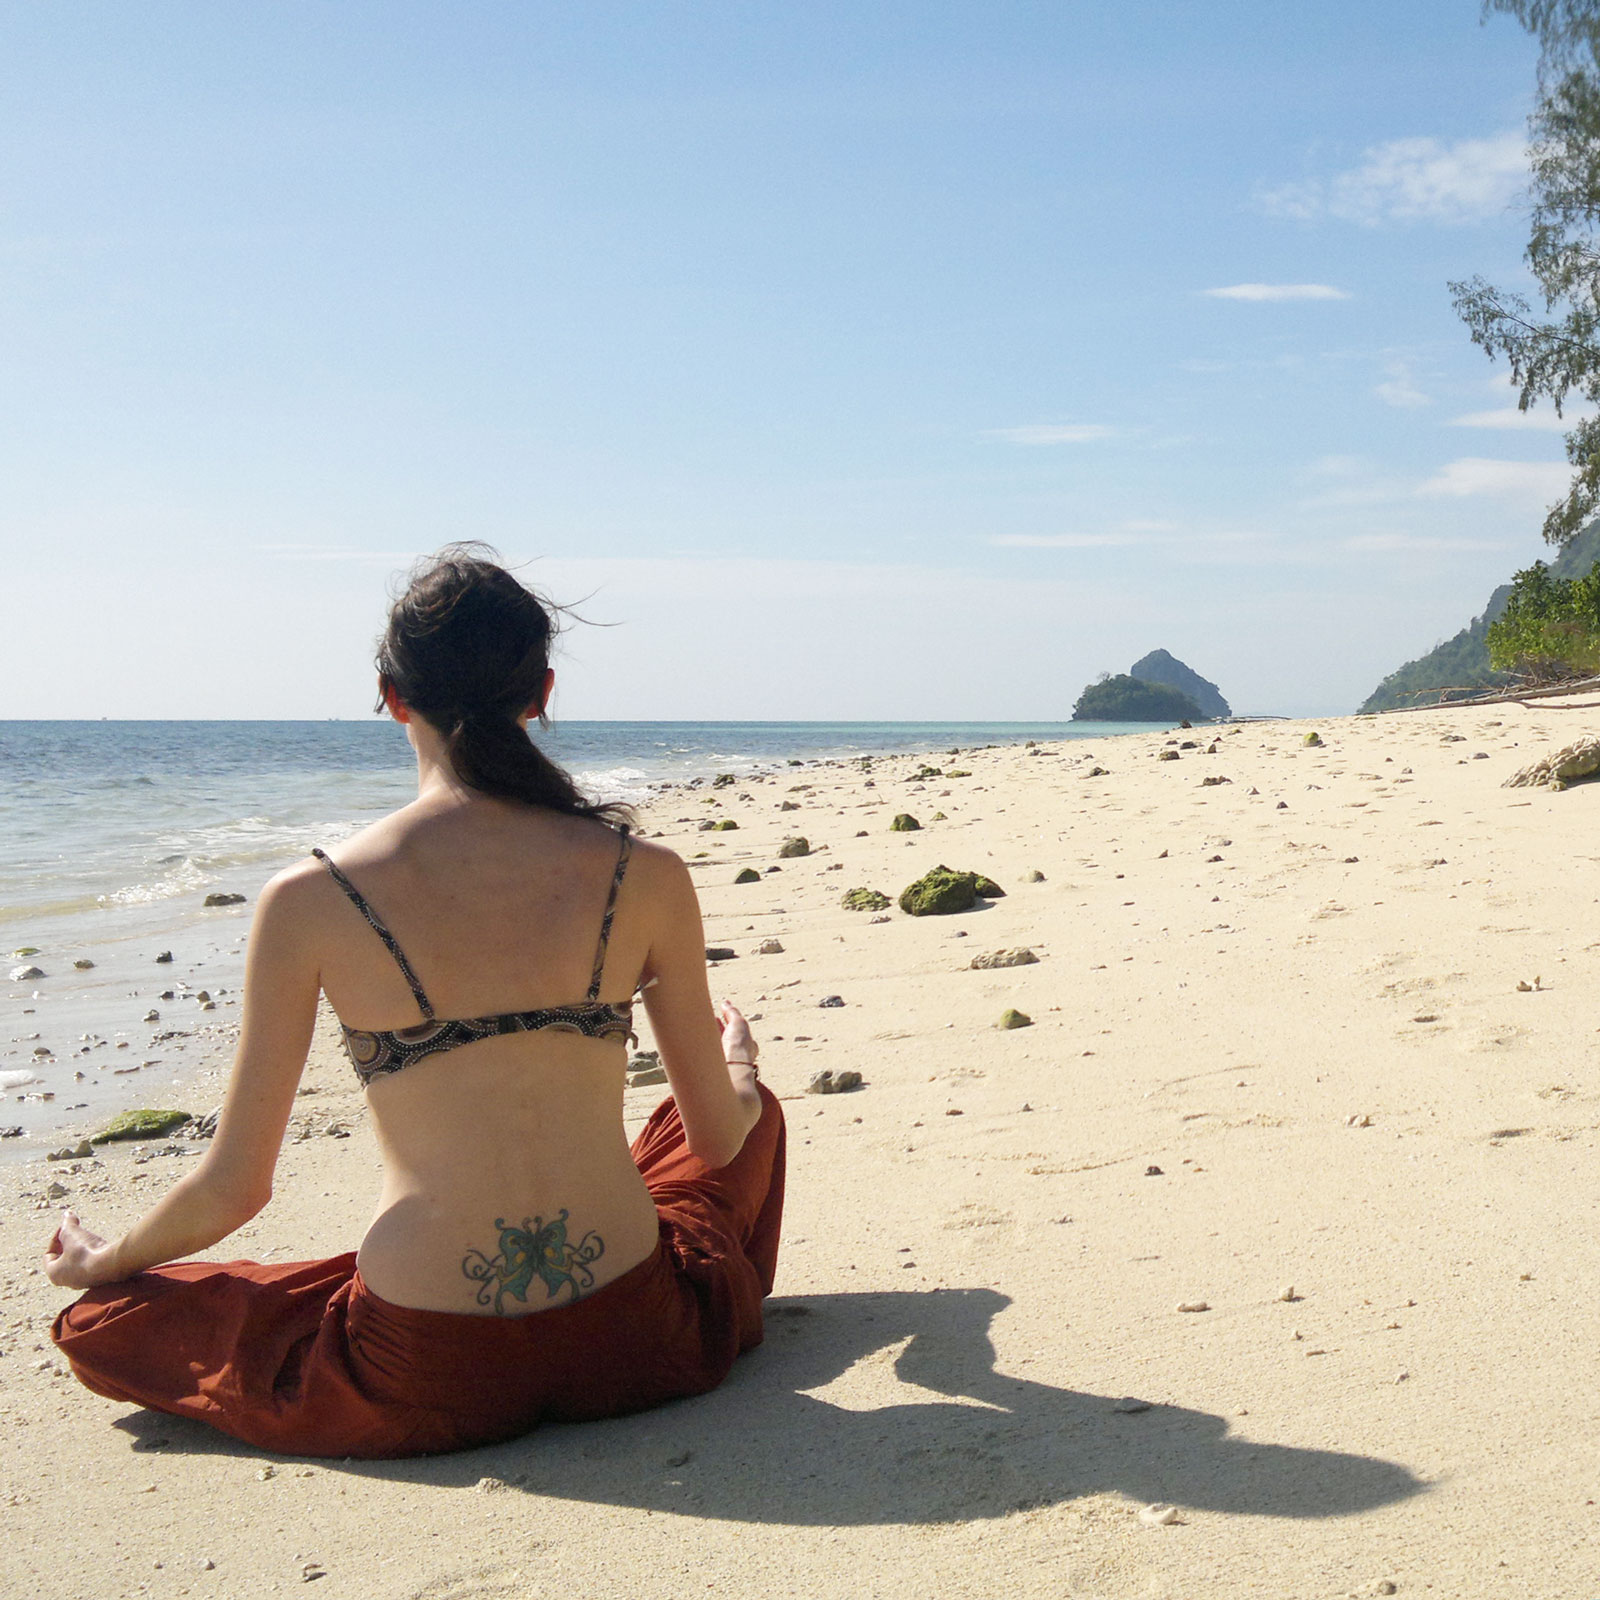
{"x":1313,"y":1047}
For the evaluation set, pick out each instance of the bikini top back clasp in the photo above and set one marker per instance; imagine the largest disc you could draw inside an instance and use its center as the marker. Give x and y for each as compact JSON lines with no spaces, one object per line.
{"x":375,"y":1053}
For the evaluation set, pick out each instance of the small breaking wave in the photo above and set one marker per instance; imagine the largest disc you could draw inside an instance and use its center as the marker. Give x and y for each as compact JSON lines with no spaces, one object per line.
{"x":184,"y":878}
{"x":629,"y":784}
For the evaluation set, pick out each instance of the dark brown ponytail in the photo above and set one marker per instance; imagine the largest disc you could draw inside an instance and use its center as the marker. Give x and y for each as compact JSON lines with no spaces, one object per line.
{"x":467,"y":648}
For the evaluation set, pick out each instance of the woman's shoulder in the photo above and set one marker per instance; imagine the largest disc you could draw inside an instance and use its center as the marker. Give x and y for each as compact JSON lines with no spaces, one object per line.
{"x":305,"y":882}
{"x":655,"y":862}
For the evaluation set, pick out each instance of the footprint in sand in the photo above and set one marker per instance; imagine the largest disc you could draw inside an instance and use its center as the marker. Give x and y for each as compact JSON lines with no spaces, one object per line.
{"x":977,"y":1216}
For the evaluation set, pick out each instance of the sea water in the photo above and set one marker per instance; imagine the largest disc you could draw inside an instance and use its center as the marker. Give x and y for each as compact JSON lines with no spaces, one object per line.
{"x":113,"y":833}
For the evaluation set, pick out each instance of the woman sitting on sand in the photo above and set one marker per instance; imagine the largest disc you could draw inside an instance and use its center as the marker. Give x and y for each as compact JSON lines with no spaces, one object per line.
{"x":481,"y":947}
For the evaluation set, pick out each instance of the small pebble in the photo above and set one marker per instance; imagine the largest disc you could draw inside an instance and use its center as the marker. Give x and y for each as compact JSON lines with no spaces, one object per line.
{"x":1287,"y":1294}
{"x":1129,"y":1407}
{"x":1193,"y":1305}
{"x":829,"y":1082}
{"x":1159,"y":1516}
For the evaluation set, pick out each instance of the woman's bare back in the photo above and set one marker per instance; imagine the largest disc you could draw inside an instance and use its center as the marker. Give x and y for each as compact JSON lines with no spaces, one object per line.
{"x":507,"y":1183}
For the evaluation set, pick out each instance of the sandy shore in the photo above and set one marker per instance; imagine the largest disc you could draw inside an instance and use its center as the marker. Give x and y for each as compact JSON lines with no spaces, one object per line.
{"x":1324,"y":1028}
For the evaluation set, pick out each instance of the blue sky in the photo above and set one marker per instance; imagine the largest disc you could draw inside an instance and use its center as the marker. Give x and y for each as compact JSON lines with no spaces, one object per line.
{"x":875,"y":360}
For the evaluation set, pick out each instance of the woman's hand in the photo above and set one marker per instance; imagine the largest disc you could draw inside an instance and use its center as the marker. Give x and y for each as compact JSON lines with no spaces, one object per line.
{"x":78,"y":1259}
{"x":739,"y":1047}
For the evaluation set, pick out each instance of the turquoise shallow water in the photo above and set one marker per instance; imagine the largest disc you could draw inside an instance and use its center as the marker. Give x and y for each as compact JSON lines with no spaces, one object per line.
{"x":112,"y":834}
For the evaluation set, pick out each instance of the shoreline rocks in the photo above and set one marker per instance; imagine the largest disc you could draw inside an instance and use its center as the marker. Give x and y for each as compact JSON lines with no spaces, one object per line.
{"x":141,"y":1124}
{"x":1021,"y":957}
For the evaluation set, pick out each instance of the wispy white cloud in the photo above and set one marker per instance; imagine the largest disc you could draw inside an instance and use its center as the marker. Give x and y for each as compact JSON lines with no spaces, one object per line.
{"x":1277,"y":291}
{"x":1339,"y":466}
{"x":1423,"y":544}
{"x":1063,"y":541}
{"x":327,"y":552}
{"x":1412,"y":180}
{"x":1514,"y":421}
{"x":1475,"y":475}
{"x":1131,"y":531}
{"x":1398,"y":389}
{"x":1345,"y":482}
{"x":1053,"y":433}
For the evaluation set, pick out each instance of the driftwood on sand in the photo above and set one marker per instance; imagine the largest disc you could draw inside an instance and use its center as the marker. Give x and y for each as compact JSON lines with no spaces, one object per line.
{"x":1509,"y":697}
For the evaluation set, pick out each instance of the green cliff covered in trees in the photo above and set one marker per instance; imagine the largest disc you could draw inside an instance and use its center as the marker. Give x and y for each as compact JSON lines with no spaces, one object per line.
{"x":1460,"y":665}
{"x":1125,"y":698}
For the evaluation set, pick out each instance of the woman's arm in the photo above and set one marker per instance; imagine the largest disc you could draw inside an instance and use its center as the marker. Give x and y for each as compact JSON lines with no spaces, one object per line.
{"x":234,"y":1179}
{"x":717,"y":1097}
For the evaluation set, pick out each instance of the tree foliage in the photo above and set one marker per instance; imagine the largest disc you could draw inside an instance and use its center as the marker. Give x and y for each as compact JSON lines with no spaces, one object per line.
{"x":1568,"y":31}
{"x":1462,"y":663}
{"x":1554,"y":355}
{"x":1550,"y":627}
{"x":1128,"y":699}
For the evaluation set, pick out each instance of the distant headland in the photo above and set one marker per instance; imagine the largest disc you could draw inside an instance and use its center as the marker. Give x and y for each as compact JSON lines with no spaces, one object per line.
{"x":1157,"y":688}
{"x":1459,"y":667}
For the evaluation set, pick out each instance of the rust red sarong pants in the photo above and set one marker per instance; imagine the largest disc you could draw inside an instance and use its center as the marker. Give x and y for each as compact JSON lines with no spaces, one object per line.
{"x":305,"y":1359}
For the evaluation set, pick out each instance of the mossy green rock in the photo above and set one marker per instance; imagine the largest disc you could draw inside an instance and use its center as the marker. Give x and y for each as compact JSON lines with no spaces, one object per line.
{"x":1312,"y":739}
{"x":939,"y":816}
{"x":1012,"y":1018}
{"x":923,"y":773}
{"x":141,"y":1125}
{"x":905,"y":823}
{"x":987,"y":887}
{"x":958,"y":772}
{"x":865,"y":900}
{"x":794,"y":847}
{"x":727,"y":825}
{"x":939,"y":892}
{"x":748,"y":875}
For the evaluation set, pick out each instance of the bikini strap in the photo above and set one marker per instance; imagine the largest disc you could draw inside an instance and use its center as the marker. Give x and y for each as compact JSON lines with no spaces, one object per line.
{"x":623,"y":851}
{"x":375,"y":922}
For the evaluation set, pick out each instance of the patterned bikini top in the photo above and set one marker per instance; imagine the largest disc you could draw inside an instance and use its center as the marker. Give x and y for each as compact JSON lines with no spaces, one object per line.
{"x":374,"y":1054}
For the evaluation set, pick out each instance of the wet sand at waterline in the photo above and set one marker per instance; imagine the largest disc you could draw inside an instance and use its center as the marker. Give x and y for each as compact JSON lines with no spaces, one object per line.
{"x":1313,"y":1048}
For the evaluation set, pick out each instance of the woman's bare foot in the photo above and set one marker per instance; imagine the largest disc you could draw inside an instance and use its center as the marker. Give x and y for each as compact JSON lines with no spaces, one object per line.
{"x":739,"y":1047}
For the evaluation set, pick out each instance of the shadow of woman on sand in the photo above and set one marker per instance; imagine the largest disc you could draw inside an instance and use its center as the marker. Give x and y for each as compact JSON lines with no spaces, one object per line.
{"x":763,"y":1449}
